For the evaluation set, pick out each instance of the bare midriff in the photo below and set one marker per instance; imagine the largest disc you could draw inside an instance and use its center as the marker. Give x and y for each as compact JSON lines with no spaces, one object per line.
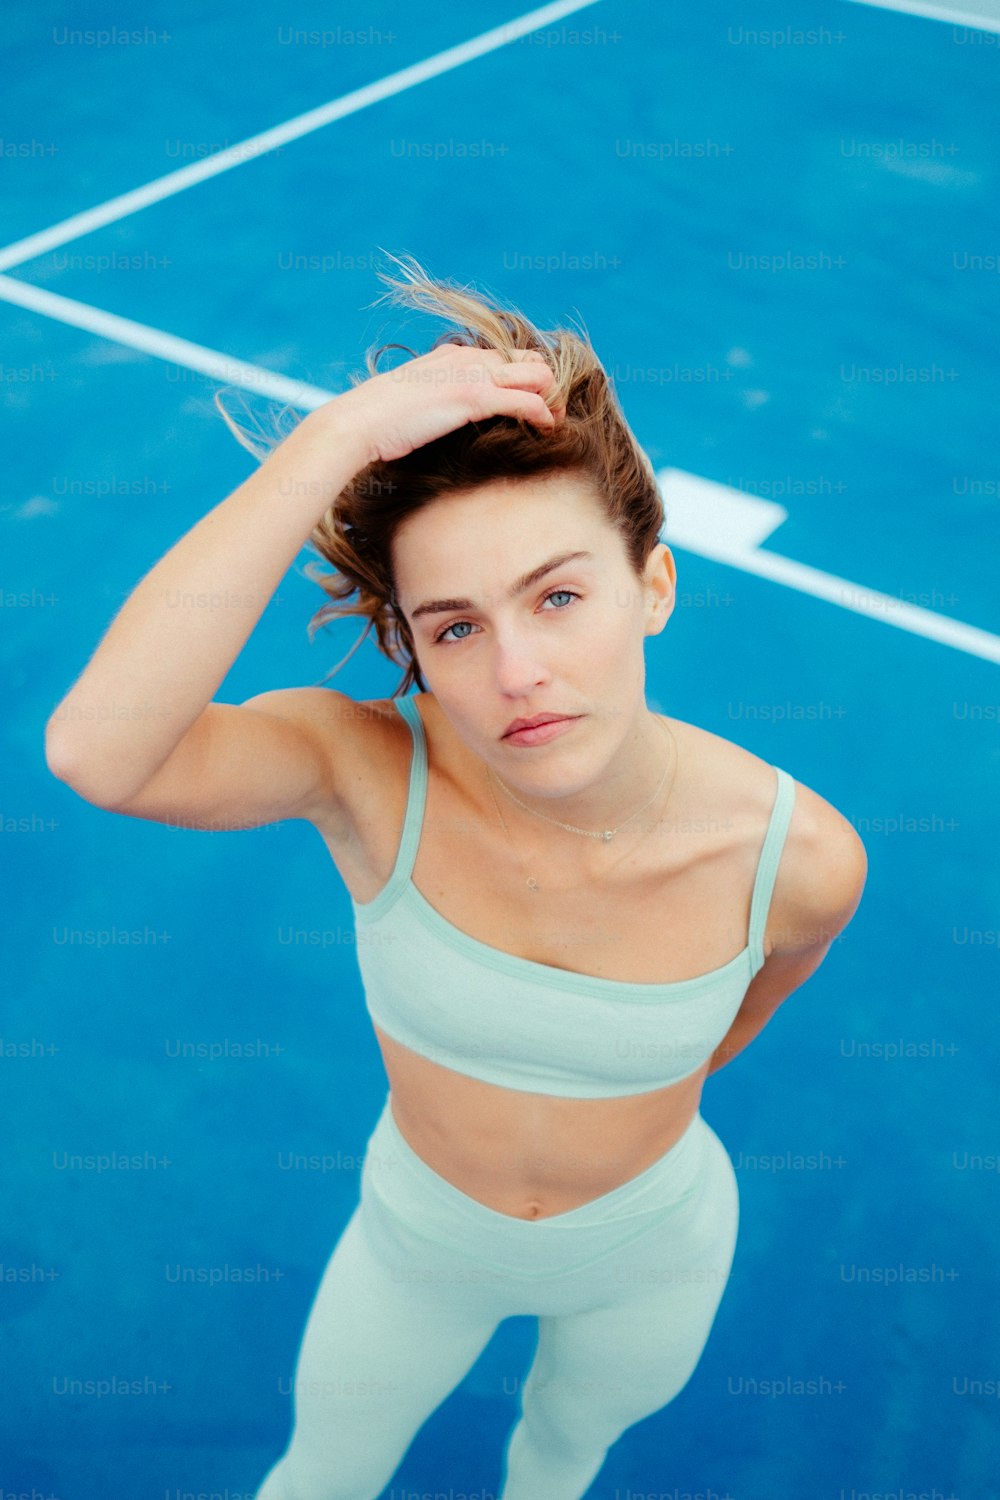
{"x":530,"y":1155}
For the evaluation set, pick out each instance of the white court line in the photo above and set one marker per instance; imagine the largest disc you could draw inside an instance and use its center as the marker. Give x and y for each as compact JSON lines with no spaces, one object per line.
{"x":703,"y":516}
{"x":888,"y":608}
{"x":266,"y":140}
{"x":726,"y":525}
{"x":969,"y":18}
{"x":162,"y":345}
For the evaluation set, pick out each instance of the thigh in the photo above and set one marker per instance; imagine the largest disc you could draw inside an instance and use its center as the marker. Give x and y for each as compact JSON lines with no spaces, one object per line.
{"x":373,"y":1321}
{"x":381,"y":1350}
{"x":609,"y":1365}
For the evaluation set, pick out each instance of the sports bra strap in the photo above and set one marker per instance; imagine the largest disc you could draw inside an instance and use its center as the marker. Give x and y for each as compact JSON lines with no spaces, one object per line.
{"x":767,"y":865}
{"x":415,"y":797}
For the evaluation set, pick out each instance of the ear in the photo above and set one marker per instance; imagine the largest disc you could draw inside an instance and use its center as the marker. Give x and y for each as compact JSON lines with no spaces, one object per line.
{"x":660,"y":583}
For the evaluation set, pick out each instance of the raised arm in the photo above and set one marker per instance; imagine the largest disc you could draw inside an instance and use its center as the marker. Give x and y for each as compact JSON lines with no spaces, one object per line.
{"x":138,"y":732}
{"x":143,"y":701}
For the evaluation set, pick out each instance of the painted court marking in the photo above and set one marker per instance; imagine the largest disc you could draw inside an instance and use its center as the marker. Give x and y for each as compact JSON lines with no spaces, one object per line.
{"x":703,"y":516}
{"x":258,"y":145}
{"x":108,"y":325}
{"x":985,"y":19}
{"x":728,"y":526}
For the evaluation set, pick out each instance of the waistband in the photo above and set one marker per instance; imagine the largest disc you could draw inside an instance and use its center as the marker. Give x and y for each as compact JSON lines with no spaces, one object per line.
{"x":433,"y":1209}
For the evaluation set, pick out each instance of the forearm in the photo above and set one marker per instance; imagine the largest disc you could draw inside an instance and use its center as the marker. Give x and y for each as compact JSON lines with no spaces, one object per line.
{"x":747,"y":1025}
{"x":180,"y":630}
{"x":783,"y":973}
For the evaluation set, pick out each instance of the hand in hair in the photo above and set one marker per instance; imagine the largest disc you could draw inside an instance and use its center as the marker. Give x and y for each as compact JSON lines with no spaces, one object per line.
{"x":402,"y":409}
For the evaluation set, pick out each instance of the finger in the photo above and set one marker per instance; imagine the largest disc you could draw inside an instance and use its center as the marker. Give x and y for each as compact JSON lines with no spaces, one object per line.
{"x":518,"y":356}
{"x":532,"y":375}
{"x":522,"y":404}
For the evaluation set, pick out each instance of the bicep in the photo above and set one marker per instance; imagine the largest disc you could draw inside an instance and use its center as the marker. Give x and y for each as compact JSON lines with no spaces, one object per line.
{"x":244,"y":765}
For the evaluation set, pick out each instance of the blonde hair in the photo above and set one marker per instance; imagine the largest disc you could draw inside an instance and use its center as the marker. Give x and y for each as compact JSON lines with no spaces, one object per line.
{"x":356,"y":532}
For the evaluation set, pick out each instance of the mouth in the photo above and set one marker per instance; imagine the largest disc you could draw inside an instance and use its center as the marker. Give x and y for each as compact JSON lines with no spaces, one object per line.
{"x":538,"y":730}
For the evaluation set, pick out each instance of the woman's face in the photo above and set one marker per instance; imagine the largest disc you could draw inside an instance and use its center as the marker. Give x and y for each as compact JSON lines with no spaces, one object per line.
{"x":493,"y":647}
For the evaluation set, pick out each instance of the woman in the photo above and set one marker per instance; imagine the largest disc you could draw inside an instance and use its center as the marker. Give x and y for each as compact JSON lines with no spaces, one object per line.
{"x":562,"y":930}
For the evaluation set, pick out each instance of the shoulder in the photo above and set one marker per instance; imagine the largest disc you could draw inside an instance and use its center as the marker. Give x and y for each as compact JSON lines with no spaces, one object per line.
{"x":820,"y":877}
{"x":370,"y":734}
{"x":341,"y":723}
{"x":362,"y":741}
{"x":378,"y":733}
{"x":826,"y":873}
{"x":823,"y":866}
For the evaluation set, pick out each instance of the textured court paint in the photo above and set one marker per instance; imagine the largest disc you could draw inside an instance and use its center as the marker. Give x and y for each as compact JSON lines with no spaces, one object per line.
{"x":279,"y":135}
{"x":724,"y":525}
{"x":703,"y":516}
{"x":257,"y":938}
{"x":181,"y":353}
{"x":985,"y":16}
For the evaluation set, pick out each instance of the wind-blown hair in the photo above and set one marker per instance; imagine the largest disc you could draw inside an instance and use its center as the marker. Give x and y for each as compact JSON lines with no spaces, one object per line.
{"x":356,"y":532}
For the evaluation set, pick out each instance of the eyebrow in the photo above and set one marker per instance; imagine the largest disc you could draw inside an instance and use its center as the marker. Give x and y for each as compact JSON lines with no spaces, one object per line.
{"x":520,"y":586}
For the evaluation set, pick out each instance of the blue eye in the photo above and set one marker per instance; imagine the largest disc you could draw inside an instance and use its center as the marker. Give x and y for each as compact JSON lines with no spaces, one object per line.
{"x":441,"y":635}
{"x":444,"y":632}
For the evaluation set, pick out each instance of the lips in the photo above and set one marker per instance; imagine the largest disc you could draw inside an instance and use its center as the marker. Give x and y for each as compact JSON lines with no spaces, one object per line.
{"x":517,"y":724}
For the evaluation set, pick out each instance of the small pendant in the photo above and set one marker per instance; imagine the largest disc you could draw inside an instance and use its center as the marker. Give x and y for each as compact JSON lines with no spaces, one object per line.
{"x":532,"y":886}
{"x":609,"y":833}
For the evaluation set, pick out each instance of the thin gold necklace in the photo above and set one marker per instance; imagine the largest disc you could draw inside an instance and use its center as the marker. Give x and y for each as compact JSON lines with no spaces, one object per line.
{"x":605,"y":834}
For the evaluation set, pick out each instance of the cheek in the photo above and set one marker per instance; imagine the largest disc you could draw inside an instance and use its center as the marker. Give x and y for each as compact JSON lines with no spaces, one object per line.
{"x":609,"y":633}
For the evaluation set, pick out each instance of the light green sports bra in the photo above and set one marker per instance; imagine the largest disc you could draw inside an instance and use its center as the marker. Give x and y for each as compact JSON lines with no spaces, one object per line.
{"x":525,"y":1025}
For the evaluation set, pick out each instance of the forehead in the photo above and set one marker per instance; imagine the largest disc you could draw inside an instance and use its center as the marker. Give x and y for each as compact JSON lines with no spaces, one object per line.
{"x":495,"y":530}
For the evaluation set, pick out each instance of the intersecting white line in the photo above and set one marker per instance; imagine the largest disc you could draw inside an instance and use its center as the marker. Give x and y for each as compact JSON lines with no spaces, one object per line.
{"x":727,"y":526}
{"x":703,"y":516}
{"x":709,"y":519}
{"x":974,"y":19}
{"x":257,"y":145}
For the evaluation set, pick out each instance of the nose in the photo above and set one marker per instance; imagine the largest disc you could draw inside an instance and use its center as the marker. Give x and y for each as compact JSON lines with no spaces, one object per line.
{"x":518,"y":669}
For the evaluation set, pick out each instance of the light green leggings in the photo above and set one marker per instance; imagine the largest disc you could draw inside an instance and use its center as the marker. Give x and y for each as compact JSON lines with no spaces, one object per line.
{"x":625,"y":1289}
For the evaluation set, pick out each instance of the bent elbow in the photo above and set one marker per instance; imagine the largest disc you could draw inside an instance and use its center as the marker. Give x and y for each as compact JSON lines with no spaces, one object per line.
{"x":67,"y":765}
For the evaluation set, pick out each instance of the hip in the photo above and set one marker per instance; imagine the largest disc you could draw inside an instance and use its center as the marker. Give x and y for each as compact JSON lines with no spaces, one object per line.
{"x":689,"y":1192}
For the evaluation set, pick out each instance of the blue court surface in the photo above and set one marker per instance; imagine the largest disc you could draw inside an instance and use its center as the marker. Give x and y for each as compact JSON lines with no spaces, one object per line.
{"x":780,"y":226}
